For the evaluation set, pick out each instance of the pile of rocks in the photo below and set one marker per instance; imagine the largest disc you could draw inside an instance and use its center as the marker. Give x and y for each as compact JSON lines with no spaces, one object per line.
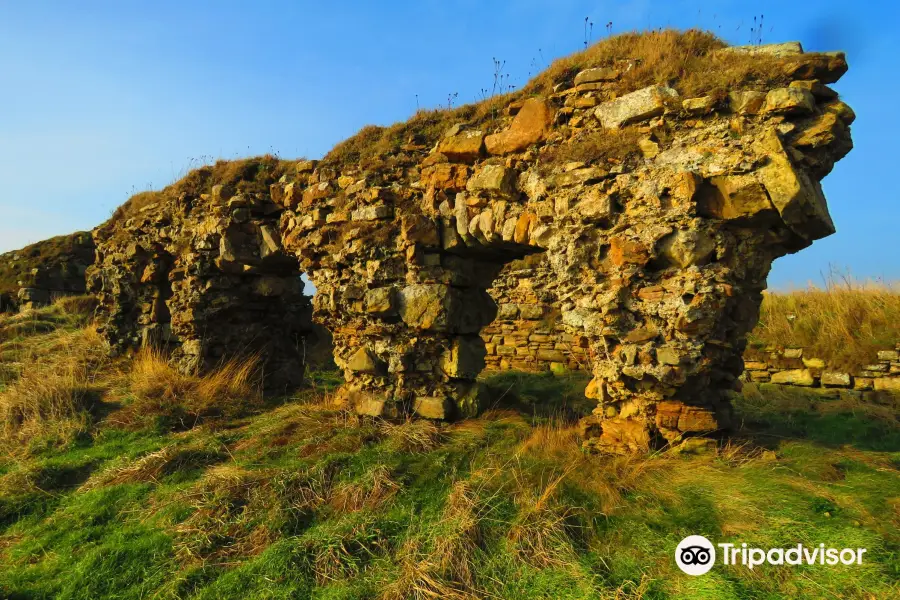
{"x":654,"y":263}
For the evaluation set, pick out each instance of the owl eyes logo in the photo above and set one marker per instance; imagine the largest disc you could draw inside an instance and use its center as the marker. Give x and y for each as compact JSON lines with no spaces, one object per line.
{"x":695,"y":555}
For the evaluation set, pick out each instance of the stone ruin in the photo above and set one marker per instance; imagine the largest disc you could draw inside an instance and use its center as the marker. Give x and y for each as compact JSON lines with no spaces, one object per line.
{"x":40,"y":272}
{"x":648,"y":266}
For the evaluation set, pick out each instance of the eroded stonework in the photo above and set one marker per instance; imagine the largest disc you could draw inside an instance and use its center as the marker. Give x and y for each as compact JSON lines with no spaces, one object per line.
{"x":205,"y":277}
{"x":652,"y":265}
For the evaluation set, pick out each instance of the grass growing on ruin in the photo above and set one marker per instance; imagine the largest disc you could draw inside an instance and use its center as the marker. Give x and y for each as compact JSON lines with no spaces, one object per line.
{"x":845,"y":322}
{"x":298,"y":498}
{"x":681,"y":59}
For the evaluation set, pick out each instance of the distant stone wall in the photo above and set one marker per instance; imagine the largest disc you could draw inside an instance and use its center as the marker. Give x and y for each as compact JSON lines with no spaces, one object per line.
{"x":793,"y":366}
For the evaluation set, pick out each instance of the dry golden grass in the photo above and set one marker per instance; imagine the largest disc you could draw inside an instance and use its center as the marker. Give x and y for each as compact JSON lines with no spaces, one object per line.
{"x":603,"y":147}
{"x":56,"y":391}
{"x":542,"y":532}
{"x":845,"y":322}
{"x":681,"y":59}
{"x":445,"y":565}
{"x":160,"y":389}
{"x":249,"y":175}
{"x":374,"y":490}
{"x":80,"y":307}
{"x":412,"y":435}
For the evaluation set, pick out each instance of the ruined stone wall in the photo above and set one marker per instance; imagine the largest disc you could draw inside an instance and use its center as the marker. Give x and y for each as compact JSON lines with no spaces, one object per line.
{"x":653,"y":260}
{"x":205,"y":277}
{"x":796,"y":367}
{"x":35,"y":274}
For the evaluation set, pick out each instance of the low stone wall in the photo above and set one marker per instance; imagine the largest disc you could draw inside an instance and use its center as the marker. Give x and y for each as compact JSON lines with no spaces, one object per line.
{"x":791,"y":366}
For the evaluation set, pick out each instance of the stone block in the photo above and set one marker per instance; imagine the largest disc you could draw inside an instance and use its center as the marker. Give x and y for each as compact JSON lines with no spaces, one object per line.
{"x":596,"y":74}
{"x":431,"y":407}
{"x":636,"y":106}
{"x":790,"y":101}
{"x":887,"y":384}
{"x":466,"y":146}
{"x":529,"y":126}
{"x":793,"y":377}
{"x":836,"y":379}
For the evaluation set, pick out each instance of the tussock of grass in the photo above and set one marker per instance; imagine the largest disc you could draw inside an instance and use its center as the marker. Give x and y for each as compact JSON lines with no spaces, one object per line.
{"x":161,"y":390}
{"x":56,"y":392}
{"x":375,"y":488}
{"x":81,"y":308}
{"x":542,"y":531}
{"x":845,"y":322}
{"x":412,"y":435}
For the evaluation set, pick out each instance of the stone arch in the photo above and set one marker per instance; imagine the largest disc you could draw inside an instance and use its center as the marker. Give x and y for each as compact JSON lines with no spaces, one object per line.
{"x":204,"y":277}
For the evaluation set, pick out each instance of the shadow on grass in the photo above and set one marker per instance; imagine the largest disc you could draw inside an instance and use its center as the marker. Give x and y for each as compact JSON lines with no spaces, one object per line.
{"x":540,"y":394}
{"x":767,"y":414}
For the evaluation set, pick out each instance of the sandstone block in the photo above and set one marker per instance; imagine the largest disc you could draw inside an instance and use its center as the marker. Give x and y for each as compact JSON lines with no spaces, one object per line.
{"x":426,"y":306}
{"x":698,"y":106}
{"x":687,"y":247}
{"x":636,"y":106}
{"x":819,"y":90}
{"x":793,"y":377}
{"x":623,"y":251}
{"x":381,"y":301}
{"x":529,"y":126}
{"x":889,"y":355}
{"x":790,"y":101}
{"x":863,"y":383}
{"x":431,"y":407}
{"x":798,"y":198}
{"x":492,"y":179}
{"x":465,"y":146}
{"x":372,"y":213}
{"x":835,"y":379}
{"x":751,"y":365}
{"x":596,"y":74}
{"x":842,"y":110}
{"x":887,"y":384}
{"x":363,"y":361}
{"x":747,"y":102}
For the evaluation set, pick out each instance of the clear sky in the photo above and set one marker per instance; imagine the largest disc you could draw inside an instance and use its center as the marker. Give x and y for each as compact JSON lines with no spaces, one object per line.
{"x":99,"y":100}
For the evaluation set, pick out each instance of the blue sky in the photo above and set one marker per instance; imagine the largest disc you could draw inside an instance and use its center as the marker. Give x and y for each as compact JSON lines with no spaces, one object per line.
{"x":102,"y":99}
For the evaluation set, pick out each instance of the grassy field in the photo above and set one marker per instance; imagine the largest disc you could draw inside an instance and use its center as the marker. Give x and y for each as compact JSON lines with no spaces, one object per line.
{"x":126,"y":480}
{"x":845,"y":321}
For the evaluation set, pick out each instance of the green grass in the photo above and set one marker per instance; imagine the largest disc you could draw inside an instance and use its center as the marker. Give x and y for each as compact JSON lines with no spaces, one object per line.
{"x":296,"y":498}
{"x":302,"y":500}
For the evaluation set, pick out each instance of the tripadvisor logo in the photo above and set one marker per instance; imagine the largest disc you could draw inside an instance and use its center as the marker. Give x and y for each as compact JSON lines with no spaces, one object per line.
{"x":696,"y":555}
